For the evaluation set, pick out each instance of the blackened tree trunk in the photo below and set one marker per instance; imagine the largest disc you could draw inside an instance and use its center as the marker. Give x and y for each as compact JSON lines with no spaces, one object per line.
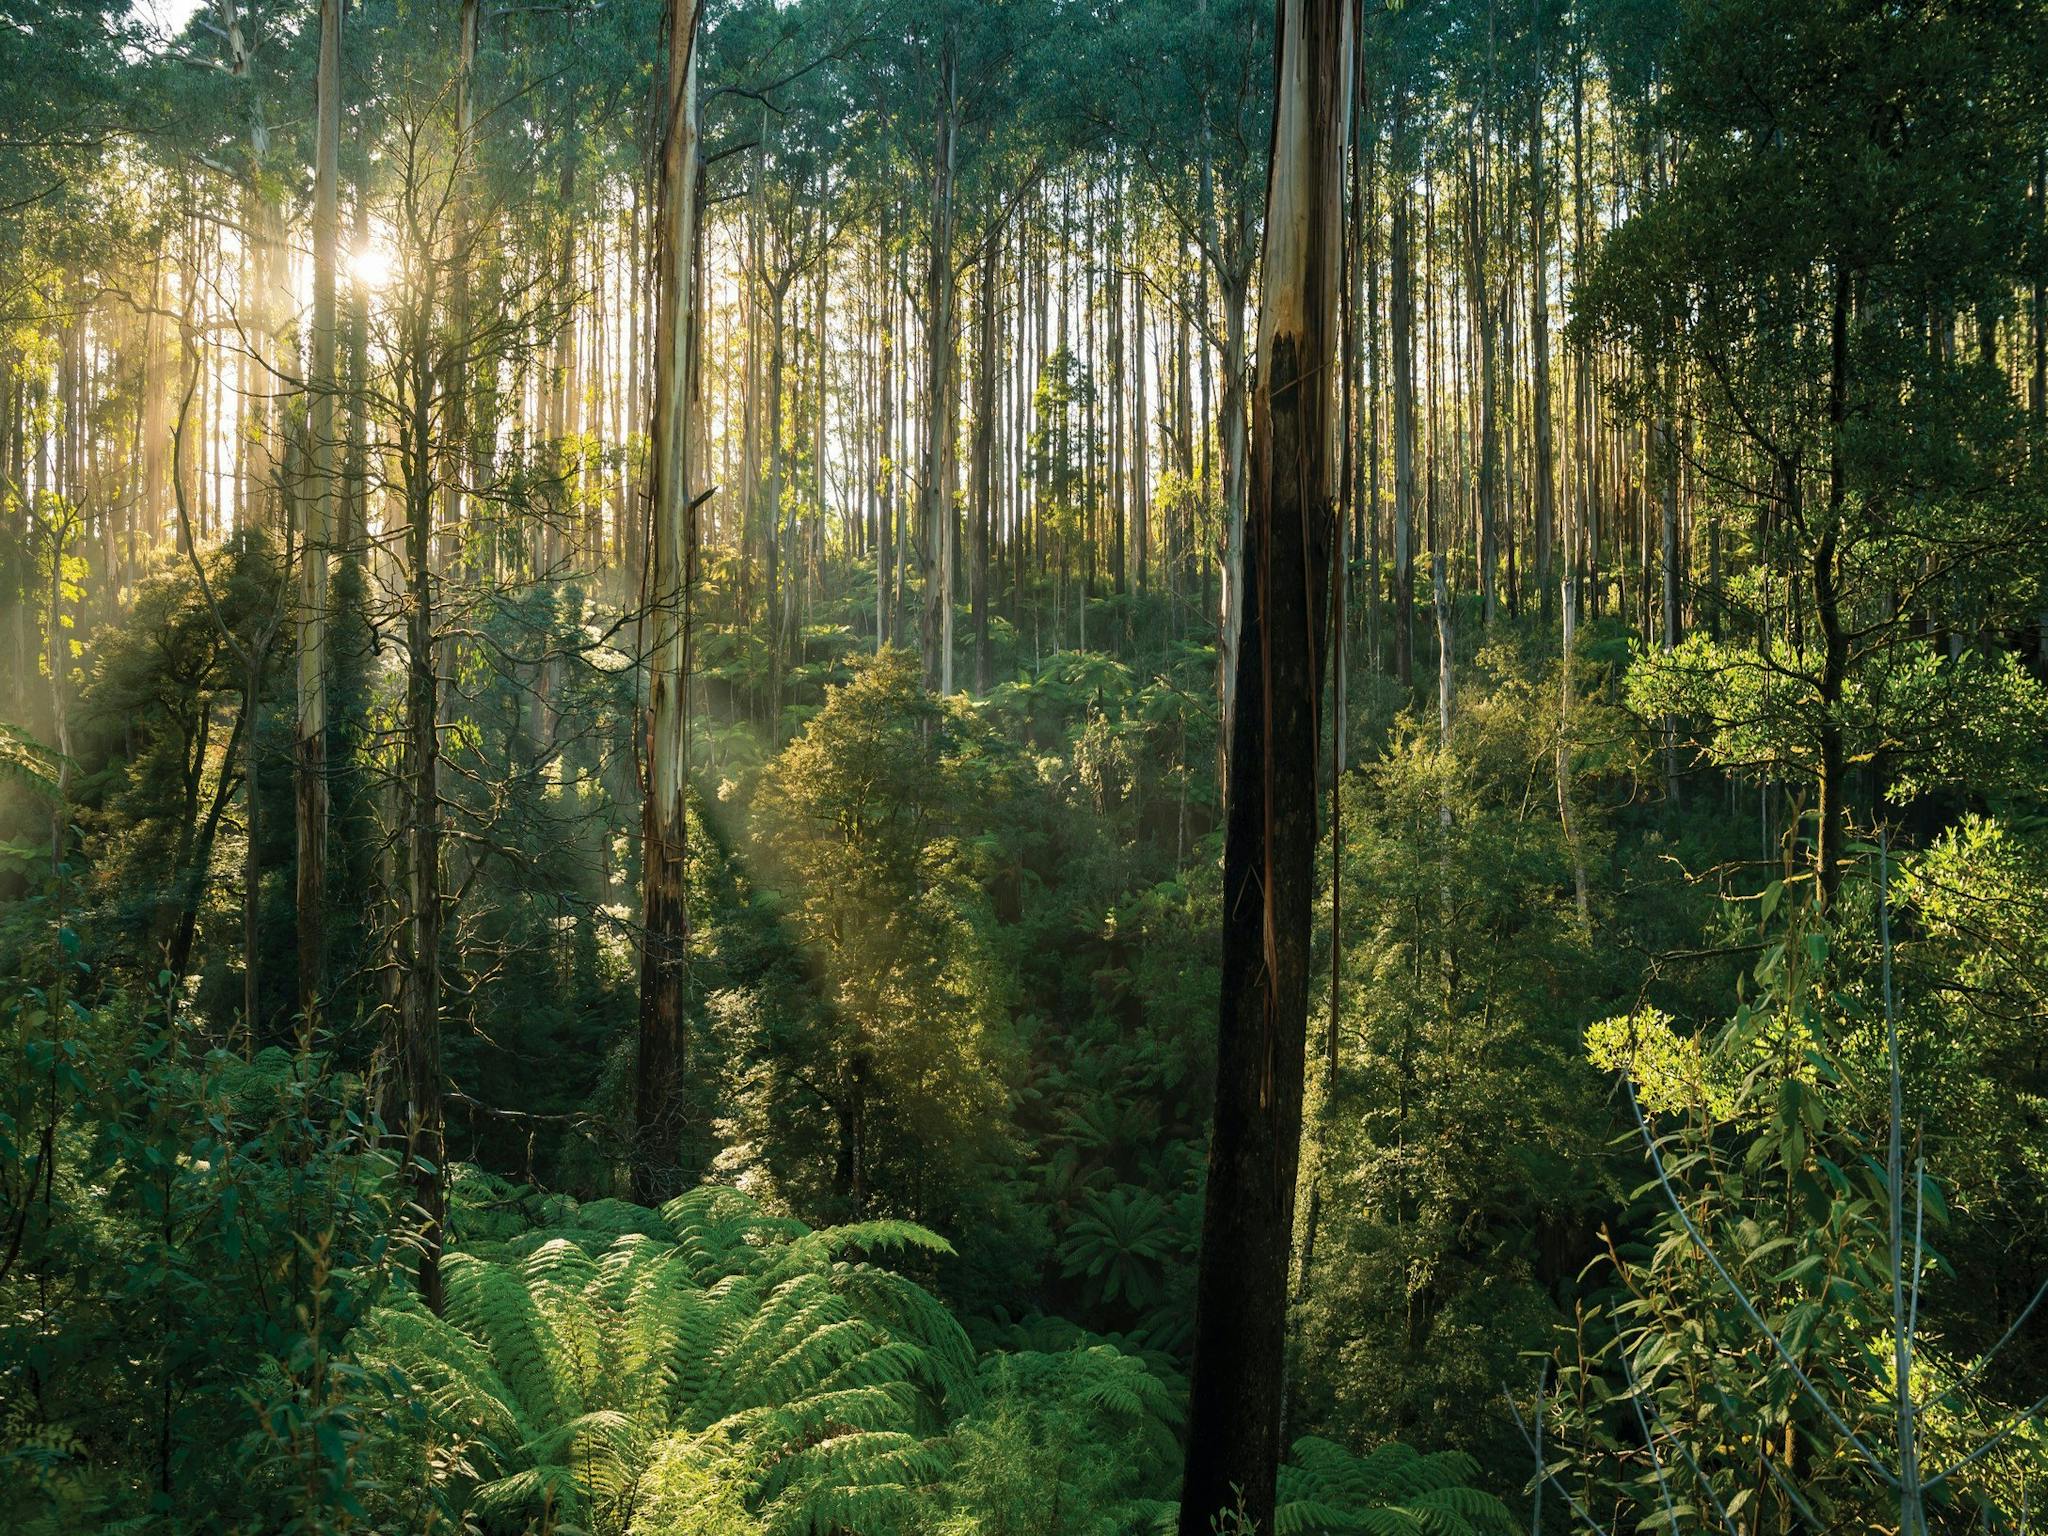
{"x":1233,"y":1442}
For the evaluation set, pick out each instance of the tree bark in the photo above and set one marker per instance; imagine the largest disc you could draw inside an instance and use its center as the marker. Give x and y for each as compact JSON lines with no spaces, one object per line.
{"x":885,"y":453}
{"x":413,"y":1101}
{"x":1484,"y":323}
{"x":1539,"y":341}
{"x":1237,"y":1388}
{"x":311,"y":732}
{"x":1403,"y":300}
{"x":665,"y":916}
{"x":983,"y":487}
{"x":936,"y":556}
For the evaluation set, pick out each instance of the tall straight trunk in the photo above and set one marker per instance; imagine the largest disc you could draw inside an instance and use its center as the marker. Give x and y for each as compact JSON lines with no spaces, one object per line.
{"x":1114,"y":293}
{"x":1403,"y":299}
{"x":626,"y":508}
{"x":1582,"y":362}
{"x":563,"y":454}
{"x":1485,"y":323}
{"x":821,"y":359}
{"x":155,"y":429}
{"x":885,"y":453}
{"x":1373,"y":369}
{"x":311,"y":724}
{"x":1141,"y":480}
{"x":899,"y":574}
{"x":267,"y":310}
{"x":983,"y":488}
{"x":1237,"y":1386}
{"x":936,"y":556}
{"x":414,"y":1106}
{"x":778,"y":579}
{"x":1539,"y":342}
{"x":1183,"y":532}
{"x":1230,"y":430}
{"x":419,"y":1063}
{"x":664,"y":828}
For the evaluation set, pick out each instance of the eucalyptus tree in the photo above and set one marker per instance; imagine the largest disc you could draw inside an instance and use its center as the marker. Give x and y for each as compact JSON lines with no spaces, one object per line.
{"x":1238,"y":1387}
{"x":671,"y":553}
{"x":441,"y":198}
{"x":318,"y":520}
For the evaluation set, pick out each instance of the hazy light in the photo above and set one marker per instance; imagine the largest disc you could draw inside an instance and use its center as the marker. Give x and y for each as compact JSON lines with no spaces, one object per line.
{"x":372,"y":266}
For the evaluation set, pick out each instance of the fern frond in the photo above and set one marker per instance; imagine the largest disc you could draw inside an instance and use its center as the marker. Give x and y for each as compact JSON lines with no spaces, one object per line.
{"x":738,"y":1346}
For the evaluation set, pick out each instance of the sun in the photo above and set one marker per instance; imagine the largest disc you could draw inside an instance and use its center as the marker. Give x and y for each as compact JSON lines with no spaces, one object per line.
{"x":372,"y":265}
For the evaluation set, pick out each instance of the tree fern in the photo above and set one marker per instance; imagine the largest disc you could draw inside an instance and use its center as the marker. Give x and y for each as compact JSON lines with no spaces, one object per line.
{"x":1391,"y":1490}
{"x":718,"y":1342}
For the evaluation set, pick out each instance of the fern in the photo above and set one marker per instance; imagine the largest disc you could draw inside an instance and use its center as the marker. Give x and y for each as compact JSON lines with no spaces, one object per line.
{"x":708,"y":1338}
{"x":1392,"y":1490}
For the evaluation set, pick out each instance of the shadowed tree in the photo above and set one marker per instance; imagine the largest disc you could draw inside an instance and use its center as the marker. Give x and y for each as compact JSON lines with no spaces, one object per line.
{"x":1233,"y":1441}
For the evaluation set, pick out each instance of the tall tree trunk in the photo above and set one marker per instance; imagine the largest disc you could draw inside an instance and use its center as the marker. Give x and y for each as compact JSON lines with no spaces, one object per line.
{"x":1403,"y":299}
{"x":1665,"y":463}
{"x":778,"y":548}
{"x":885,"y":452}
{"x":1580,"y":352}
{"x":311,"y":733}
{"x":983,"y":488}
{"x":1231,"y":434}
{"x":1114,"y":443}
{"x":936,"y":555}
{"x":1141,"y":479}
{"x":665,"y":917}
{"x":413,"y":1106}
{"x":1539,"y":339}
{"x":1237,"y":1388}
{"x":1485,"y":321}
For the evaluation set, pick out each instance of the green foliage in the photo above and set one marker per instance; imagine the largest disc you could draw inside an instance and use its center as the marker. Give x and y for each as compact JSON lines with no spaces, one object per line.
{"x":1063,"y":1442}
{"x":1119,"y":1241}
{"x":868,"y":823}
{"x":706,"y":1347}
{"x":1392,"y":1490}
{"x":1770,"y":1132}
{"x":186,"y":1239}
{"x":1455,"y":1168}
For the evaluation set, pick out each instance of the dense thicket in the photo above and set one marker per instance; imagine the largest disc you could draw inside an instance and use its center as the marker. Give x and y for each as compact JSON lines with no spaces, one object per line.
{"x":868,"y":767}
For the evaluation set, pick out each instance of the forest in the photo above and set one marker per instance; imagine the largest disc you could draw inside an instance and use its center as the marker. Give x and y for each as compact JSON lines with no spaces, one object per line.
{"x":1023,"y":767}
